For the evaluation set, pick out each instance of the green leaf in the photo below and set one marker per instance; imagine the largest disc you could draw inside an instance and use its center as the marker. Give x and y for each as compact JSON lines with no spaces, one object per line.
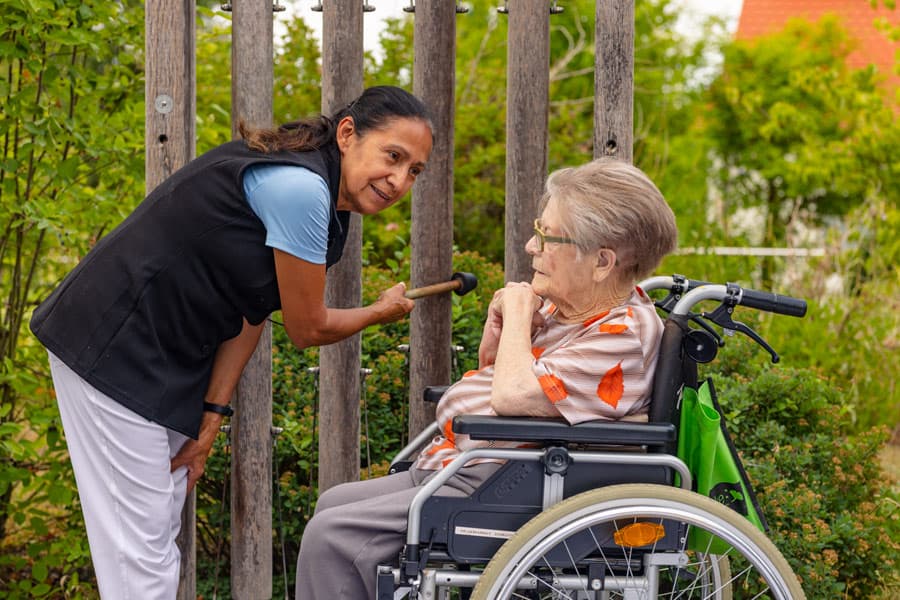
{"x":60,"y":494}
{"x":69,"y":167}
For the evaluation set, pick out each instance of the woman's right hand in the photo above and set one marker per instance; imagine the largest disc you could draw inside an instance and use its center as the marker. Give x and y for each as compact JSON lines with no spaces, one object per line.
{"x":521,"y":297}
{"x":493,"y":325}
{"x":392,"y":305}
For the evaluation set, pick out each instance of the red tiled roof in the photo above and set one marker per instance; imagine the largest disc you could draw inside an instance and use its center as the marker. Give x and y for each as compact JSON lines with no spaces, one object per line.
{"x":759,"y":17}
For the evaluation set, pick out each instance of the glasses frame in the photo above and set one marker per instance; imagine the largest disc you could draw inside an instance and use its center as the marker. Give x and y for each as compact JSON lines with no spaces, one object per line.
{"x":543,"y":238}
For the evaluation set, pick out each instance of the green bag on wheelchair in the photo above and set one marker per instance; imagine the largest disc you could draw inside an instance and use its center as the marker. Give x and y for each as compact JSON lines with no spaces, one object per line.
{"x":706,"y":448}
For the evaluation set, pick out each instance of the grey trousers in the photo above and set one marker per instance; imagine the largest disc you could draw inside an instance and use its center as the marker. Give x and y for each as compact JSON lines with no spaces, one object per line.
{"x":362,"y":524}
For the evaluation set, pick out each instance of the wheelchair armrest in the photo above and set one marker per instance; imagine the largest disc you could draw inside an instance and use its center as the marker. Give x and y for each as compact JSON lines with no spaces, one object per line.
{"x":528,"y":429}
{"x":433,"y":393}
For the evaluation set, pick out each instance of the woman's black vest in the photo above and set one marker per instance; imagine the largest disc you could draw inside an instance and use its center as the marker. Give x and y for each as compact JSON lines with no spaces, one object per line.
{"x":141,"y":316}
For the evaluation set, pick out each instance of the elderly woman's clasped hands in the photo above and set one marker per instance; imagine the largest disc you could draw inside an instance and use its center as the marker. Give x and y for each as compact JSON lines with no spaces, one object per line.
{"x":517,"y":300}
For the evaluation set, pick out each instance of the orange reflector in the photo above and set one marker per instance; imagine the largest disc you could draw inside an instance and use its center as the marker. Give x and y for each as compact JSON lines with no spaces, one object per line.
{"x":639,"y":534}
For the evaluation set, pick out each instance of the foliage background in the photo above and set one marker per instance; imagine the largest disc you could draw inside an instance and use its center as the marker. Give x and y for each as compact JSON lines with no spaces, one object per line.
{"x":780,"y":145}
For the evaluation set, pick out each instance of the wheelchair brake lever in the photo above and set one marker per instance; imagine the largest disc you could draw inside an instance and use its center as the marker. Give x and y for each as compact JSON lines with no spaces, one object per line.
{"x":722,"y":317}
{"x":679,"y":287}
{"x":668,"y":303}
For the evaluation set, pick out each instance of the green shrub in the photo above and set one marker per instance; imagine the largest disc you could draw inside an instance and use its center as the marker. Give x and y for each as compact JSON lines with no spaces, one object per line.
{"x":820,"y":483}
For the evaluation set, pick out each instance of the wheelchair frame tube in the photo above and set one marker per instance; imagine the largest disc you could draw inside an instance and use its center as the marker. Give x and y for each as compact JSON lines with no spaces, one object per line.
{"x":416,"y":444}
{"x":706,"y":292}
{"x":447,"y":578}
{"x":667,"y":282}
{"x":659,"y":282}
{"x":428,"y":490}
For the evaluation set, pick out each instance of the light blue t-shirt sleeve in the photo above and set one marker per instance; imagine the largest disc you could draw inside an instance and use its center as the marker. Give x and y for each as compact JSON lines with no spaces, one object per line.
{"x":294,"y":205}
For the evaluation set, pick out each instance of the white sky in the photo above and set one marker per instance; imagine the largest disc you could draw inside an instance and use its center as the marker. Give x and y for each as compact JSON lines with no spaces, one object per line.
{"x":693,"y":12}
{"x":728,"y":9}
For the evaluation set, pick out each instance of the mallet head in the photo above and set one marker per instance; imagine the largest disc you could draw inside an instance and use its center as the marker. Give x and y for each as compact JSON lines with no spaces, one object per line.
{"x":467,"y":283}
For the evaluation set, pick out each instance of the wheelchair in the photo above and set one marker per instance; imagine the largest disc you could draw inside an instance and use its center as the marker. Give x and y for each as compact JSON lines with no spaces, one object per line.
{"x":599,"y":510}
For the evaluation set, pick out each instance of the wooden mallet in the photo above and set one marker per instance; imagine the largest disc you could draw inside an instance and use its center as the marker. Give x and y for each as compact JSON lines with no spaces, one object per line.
{"x":459,"y":284}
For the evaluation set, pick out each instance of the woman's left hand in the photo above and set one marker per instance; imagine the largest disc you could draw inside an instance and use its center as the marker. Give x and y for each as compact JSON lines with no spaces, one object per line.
{"x":193,"y":453}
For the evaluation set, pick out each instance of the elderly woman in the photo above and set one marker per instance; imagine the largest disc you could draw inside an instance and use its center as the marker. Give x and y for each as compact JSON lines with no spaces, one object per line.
{"x":579,"y":342}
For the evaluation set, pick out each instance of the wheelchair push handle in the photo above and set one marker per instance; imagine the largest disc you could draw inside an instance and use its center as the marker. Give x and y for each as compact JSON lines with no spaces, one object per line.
{"x":734,"y":295}
{"x":460,"y":284}
{"x":775,"y":303}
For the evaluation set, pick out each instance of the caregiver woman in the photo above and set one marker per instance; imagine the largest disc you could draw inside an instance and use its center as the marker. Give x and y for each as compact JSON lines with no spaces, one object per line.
{"x":148,"y":335}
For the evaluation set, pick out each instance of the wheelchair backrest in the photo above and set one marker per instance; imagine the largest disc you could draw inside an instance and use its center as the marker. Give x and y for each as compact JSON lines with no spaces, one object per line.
{"x":673,"y":370}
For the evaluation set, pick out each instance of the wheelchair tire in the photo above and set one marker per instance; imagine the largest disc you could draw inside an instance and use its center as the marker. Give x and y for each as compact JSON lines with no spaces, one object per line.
{"x":751,"y":568}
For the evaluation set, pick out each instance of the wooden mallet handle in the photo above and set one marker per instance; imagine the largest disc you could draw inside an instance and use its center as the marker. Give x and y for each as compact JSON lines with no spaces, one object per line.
{"x":459,"y":283}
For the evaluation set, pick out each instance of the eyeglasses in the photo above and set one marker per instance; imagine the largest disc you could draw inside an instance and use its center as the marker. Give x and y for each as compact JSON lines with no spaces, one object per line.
{"x":543,"y":238}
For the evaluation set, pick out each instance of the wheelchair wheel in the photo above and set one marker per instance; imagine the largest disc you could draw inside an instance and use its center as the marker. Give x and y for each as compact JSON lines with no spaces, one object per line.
{"x":639,"y":548}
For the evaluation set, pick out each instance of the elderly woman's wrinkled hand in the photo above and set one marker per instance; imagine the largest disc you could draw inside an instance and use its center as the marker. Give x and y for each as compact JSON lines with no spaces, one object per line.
{"x":518,"y":296}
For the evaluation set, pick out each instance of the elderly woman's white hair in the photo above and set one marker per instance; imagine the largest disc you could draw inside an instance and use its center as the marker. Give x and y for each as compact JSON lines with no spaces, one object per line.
{"x":609,"y":203}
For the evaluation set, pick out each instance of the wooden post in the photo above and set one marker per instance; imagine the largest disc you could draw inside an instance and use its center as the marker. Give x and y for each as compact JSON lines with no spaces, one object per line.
{"x":251,"y":427}
{"x":339,"y":364}
{"x":434,"y":81}
{"x":169,"y":113}
{"x":614,"y":80}
{"x":527,"y":106}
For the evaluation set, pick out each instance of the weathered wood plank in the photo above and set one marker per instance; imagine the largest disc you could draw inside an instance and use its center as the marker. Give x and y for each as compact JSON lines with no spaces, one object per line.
{"x":339,"y":364}
{"x":614,"y":80}
{"x":527,"y":109}
{"x":169,"y":113}
{"x":252,"y":82}
{"x":434,"y":81}
{"x":169,"y":88}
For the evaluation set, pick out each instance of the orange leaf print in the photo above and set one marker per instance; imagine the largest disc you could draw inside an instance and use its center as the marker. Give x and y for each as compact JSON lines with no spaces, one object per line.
{"x":553,"y":388}
{"x":630,"y":313}
{"x":537,"y":351}
{"x":448,"y":431}
{"x":595,"y":318}
{"x":611,"y":386}
{"x":614,"y":328}
{"x":449,"y":442}
{"x":470,"y":373}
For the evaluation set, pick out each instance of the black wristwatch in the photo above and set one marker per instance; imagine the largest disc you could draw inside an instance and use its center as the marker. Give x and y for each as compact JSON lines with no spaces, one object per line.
{"x":225,"y":411}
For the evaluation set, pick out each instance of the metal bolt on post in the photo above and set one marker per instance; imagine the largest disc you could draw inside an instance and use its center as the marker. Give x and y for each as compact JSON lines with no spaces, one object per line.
{"x":228,"y":7}
{"x":555,"y":9}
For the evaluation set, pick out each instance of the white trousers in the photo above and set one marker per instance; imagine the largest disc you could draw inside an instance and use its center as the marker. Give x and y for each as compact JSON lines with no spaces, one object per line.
{"x":131,"y":501}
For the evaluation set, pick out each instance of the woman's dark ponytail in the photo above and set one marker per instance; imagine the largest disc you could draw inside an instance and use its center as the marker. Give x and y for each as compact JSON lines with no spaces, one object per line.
{"x":372,"y":110}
